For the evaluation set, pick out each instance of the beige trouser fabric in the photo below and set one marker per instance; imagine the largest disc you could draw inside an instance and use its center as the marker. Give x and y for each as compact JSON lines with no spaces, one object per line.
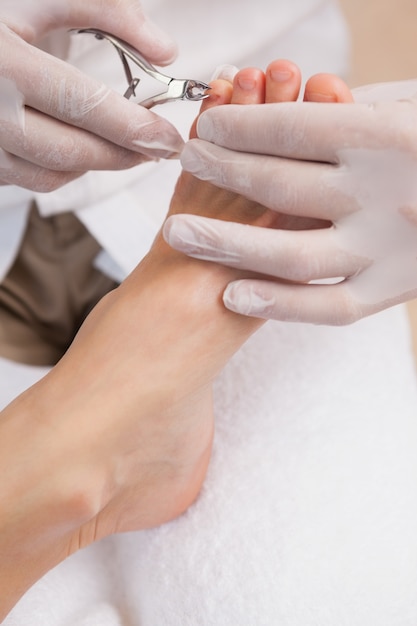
{"x":49,"y":290}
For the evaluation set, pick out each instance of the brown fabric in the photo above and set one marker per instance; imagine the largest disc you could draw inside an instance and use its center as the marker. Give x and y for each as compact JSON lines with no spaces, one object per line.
{"x":49,"y":290}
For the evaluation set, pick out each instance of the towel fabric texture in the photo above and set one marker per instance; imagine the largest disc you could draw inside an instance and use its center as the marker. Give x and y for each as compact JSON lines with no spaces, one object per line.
{"x":309,"y":513}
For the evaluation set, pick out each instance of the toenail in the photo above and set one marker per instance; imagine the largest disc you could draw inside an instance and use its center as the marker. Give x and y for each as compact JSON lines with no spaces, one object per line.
{"x":280,"y":76}
{"x":246,"y":83}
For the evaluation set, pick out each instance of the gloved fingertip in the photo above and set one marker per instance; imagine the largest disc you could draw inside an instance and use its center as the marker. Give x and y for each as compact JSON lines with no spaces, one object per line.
{"x":191,"y":160}
{"x":241,"y":297}
{"x":205,"y":126}
{"x":178,"y":234}
{"x":189,"y":234}
{"x":157,"y":138}
{"x":166,"y":230}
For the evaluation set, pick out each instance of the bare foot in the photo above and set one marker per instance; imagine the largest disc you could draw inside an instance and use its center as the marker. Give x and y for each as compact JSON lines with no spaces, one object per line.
{"x":176,"y":337}
{"x":128,"y":408}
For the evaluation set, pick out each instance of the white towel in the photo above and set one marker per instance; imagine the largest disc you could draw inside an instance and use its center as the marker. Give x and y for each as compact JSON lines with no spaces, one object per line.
{"x":309,"y":513}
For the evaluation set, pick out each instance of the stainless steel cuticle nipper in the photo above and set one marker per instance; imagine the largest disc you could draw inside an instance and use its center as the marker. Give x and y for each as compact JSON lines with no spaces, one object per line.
{"x":177,"y":88}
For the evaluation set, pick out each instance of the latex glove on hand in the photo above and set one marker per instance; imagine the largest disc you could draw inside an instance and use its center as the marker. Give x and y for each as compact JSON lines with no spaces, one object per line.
{"x":353,"y":165}
{"x":56,"y":122}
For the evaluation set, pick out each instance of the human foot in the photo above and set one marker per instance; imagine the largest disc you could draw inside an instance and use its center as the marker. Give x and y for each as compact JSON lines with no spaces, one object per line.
{"x":234,"y":170}
{"x":128,"y":408}
{"x":176,"y":336}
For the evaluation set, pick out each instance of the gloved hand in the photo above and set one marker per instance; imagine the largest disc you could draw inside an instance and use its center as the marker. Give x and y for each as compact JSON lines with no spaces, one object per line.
{"x":56,"y":122}
{"x":352,"y":165}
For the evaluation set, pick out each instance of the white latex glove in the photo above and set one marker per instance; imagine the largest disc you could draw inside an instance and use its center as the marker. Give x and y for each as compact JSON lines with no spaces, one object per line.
{"x":354,"y":165}
{"x":56,"y":122}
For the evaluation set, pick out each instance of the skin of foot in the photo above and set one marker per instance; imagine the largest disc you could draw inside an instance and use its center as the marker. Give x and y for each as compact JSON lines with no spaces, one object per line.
{"x":121,"y":429}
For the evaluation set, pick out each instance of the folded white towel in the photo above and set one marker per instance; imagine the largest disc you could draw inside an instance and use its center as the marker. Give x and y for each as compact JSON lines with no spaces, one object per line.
{"x":309,"y":513}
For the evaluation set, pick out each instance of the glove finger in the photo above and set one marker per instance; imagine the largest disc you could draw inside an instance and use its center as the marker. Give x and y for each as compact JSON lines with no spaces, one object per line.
{"x":54,"y":145}
{"x":300,"y":256}
{"x":314,"y":304}
{"x":298,"y":130}
{"x":48,"y":84}
{"x":289,"y":186}
{"x":17,"y":171}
